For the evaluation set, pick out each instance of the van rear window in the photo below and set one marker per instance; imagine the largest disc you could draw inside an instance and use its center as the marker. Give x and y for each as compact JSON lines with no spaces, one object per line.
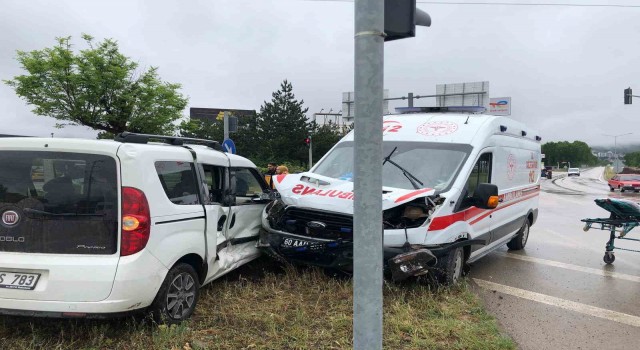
{"x":64,"y":202}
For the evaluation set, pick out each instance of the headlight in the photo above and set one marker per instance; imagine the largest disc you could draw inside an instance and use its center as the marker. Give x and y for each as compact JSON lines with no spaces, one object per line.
{"x":275,"y":210}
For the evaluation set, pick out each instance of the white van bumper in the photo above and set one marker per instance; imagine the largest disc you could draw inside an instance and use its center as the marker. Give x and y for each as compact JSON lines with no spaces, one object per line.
{"x":136,"y":283}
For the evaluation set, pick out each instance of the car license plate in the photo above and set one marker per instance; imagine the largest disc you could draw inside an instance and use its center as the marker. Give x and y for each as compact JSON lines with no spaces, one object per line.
{"x":18,"y":280}
{"x":292,"y":242}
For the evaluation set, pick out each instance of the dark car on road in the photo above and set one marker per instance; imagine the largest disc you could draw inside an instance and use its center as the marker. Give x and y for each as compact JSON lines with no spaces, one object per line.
{"x":546,"y":172}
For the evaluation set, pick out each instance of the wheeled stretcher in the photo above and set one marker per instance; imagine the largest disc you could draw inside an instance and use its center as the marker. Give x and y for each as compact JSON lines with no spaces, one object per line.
{"x":625,"y":215}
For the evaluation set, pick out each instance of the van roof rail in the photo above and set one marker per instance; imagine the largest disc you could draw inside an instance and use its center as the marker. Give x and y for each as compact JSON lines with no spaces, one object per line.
{"x":132,"y":137}
{"x":450,"y":109}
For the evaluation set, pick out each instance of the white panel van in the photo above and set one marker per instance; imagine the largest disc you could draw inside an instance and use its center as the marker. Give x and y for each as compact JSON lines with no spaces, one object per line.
{"x":456,"y":186}
{"x":93,"y":228}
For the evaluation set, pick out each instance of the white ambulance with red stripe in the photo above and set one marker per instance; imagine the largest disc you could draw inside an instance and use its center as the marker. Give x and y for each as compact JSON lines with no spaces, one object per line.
{"x":456,"y":185}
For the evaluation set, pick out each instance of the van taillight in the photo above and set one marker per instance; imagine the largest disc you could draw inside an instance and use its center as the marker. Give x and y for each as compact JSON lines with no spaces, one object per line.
{"x":136,"y":221}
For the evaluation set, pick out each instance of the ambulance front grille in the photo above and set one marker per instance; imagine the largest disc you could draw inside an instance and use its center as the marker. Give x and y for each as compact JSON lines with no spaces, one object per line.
{"x":318,"y":224}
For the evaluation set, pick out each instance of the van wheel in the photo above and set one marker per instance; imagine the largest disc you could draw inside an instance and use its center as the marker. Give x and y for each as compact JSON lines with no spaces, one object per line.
{"x":520,"y":239}
{"x":612,"y":189}
{"x":449,"y":268}
{"x":176,"y":300}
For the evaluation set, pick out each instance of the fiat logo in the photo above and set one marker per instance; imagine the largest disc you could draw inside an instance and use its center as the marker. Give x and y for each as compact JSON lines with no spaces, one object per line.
{"x":316,"y":225}
{"x":10,"y":218}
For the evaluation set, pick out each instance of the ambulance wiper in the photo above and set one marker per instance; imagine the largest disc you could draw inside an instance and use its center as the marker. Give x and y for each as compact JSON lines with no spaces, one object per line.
{"x":414,"y":181}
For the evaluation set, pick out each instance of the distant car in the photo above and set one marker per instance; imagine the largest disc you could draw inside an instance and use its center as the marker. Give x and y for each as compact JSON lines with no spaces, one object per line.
{"x":624,"y":182}
{"x":573,"y":172}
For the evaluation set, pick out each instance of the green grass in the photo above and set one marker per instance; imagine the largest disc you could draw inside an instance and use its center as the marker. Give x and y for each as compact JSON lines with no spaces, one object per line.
{"x":265,"y":306}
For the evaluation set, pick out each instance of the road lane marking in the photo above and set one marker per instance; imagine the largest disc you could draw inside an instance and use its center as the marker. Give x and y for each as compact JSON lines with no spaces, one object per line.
{"x":561,"y":303}
{"x":573,"y":267}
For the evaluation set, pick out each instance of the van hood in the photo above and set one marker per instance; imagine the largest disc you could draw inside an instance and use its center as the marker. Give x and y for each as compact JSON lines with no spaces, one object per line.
{"x":309,"y":190}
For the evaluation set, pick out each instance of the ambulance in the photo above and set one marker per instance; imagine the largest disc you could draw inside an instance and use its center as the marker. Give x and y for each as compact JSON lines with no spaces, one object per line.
{"x":457,"y":184}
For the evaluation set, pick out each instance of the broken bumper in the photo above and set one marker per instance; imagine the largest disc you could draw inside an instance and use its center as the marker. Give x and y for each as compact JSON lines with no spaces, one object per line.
{"x":402,"y":263}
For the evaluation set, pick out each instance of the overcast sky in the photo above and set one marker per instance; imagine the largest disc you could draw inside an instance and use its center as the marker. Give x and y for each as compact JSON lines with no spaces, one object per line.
{"x":565,"y":68}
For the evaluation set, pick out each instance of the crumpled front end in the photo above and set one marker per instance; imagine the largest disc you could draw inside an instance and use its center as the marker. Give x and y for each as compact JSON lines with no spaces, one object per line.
{"x":324,"y":238}
{"x":307,"y":236}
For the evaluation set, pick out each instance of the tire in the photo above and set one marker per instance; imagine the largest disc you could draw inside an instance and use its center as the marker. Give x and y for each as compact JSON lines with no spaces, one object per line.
{"x":609,"y":258}
{"x":612,"y":189}
{"x":178,"y":295}
{"x":450,"y":267}
{"x":520,"y":239}
{"x":621,"y":190}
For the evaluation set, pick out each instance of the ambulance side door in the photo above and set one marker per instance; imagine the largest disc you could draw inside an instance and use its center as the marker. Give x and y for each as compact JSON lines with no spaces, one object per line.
{"x":479,"y":219}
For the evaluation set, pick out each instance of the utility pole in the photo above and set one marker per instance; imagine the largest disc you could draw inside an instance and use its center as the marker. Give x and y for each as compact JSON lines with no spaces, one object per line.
{"x":226,"y":125}
{"x":367,"y":211}
{"x":615,"y":149}
{"x":376,"y":21}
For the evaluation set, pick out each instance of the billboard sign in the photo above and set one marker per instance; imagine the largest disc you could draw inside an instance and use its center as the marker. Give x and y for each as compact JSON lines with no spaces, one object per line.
{"x":500,"y":106}
{"x":213,"y":114}
{"x":463,"y":94}
{"x":349,"y":105}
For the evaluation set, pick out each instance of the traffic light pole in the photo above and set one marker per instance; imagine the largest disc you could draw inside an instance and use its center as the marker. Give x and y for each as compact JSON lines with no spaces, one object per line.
{"x":310,"y":152}
{"x":226,"y":126}
{"x":367,"y":215}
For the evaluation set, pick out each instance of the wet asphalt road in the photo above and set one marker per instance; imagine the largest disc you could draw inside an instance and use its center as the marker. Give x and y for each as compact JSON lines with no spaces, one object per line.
{"x":557,"y":293}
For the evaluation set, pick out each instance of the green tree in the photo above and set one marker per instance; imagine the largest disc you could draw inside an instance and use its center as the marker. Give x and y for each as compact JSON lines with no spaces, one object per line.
{"x":324,"y":138}
{"x":577,"y":153}
{"x":632,"y":159}
{"x":244,"y":139}
{"x":201,"y":129}
{"x":97,"y":87}
{"x":282,"y":127}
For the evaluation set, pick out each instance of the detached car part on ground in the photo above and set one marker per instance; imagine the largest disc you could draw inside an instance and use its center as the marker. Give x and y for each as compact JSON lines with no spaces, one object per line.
{"x":449,"y":197}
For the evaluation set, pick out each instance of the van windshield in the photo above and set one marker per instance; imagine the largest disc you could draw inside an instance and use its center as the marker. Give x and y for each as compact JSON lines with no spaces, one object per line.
{"x":436,"y":165}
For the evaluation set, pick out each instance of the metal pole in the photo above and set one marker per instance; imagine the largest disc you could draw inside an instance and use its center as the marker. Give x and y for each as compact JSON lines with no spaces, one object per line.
{"x":410,"y":97}
{"x":226,"y":126}
{"x":367,"y":218}
{"x":615,"y":154}
{"x":310,"y":152}
{"x":615,"y":149}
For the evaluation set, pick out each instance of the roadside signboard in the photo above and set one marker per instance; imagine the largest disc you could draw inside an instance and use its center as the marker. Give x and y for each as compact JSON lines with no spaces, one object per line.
{"x":500,"y":106}
{"x":228,"y":146}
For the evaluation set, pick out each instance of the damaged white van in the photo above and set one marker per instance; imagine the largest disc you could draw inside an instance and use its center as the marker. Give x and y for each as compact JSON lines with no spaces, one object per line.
{"x":93,"y":228}
{"x":456,"y":185}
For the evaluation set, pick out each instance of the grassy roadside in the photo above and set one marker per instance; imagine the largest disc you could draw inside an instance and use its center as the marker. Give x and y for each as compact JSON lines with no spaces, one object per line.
{"x":264,"y":306}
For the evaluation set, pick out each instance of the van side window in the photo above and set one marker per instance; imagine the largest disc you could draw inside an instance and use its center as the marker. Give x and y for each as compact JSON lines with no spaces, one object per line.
{"x":481,"y":173}
{"x":248,"y":184}
{"x":178,"y":180}
{"x":214,"y":177}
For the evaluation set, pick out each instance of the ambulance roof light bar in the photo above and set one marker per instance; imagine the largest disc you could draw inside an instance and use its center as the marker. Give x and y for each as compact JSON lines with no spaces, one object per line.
{"x":450,"y":109}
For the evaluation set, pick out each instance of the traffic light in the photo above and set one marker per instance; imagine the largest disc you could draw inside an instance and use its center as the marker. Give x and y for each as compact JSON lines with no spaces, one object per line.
{"x":307,"y":141}
{"x":401,"y":18}
{"x":627,"y":96}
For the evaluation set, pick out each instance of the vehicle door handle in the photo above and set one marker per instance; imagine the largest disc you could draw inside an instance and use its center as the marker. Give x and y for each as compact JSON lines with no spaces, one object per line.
{"x":233,"y":220}
{"x":221,"y":221}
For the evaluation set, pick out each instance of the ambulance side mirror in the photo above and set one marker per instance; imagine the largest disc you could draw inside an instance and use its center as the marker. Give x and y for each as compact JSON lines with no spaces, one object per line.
{"x":486,"y":196}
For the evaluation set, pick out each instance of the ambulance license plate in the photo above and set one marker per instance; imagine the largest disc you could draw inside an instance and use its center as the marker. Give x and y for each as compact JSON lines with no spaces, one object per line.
{"x":292,"y":242}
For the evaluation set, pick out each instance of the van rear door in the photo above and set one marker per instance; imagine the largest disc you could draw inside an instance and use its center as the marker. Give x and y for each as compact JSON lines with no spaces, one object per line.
{"x":59,"y":226}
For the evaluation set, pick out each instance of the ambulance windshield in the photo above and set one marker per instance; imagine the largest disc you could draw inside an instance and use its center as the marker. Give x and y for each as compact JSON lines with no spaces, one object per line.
{"x":436,"y":165}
